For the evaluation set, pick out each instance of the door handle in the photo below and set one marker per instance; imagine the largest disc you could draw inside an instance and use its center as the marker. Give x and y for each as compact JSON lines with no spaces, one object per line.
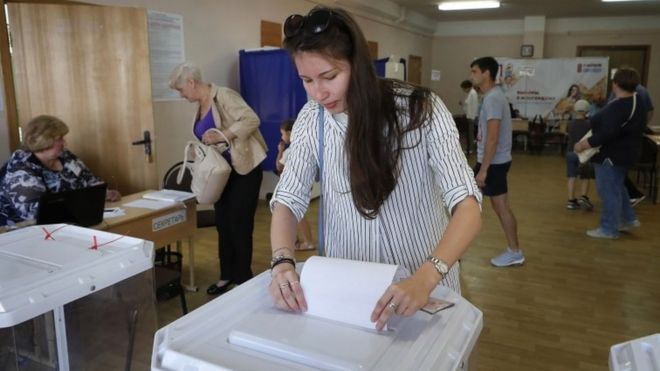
{"x":146,"y":142}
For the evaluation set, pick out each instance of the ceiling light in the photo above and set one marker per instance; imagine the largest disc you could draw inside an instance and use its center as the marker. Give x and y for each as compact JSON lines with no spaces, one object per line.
{"x":463,"y":5}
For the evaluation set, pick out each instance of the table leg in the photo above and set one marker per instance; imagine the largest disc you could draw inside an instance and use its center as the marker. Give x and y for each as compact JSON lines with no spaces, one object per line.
{"x":191,"y":266}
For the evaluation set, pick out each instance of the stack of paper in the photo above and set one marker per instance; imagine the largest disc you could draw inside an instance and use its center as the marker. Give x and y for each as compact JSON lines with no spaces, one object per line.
{"x":170,"y":195}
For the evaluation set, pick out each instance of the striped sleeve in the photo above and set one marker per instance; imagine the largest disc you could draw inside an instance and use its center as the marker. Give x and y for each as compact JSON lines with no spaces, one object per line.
{"x":295,"y":185}
{"x":450,"y":168}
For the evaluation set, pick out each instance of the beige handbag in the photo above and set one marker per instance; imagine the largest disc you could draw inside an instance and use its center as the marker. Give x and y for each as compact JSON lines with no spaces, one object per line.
{"x":210,"y":171}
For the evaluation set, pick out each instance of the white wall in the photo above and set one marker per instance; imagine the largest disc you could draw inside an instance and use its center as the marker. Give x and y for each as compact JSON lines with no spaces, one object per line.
{"x":215,"y":31}
{"x":456,"y":44}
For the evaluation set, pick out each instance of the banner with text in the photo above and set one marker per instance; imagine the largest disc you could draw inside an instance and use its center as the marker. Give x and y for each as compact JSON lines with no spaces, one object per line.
{"x":550,"y":87}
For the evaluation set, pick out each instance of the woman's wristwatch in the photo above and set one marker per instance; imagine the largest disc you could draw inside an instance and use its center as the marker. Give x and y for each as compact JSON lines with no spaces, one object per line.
{"x":440,"y":265}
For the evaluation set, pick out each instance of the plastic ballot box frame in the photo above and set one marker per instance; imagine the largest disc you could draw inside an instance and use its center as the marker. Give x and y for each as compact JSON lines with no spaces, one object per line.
{"x":73,"y":298}
{"x":641,"y":354}
{"x":241,"y":330}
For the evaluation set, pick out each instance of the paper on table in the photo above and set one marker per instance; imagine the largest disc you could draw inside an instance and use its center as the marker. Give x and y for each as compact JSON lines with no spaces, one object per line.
{"x":344,"y":290}
{"x":149,"y":204}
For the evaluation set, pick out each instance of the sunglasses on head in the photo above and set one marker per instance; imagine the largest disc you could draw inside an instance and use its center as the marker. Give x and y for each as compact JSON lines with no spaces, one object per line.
{"x":313,"y":23}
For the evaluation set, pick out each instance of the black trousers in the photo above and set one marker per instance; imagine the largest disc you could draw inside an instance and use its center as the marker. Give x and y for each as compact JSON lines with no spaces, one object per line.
{"x":633,"y":192}
{"x":234,"y":220}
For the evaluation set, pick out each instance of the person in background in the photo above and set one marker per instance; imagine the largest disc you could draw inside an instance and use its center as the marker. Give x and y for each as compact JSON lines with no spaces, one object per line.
{"x":303,"y":226}
{"x":470,"y":107}
{"x":618,"y":130}
{"x":224,"y":109}
{"x":43,"y":165}
{"x":494,"y":139}
{"x":577,"y":128}
{"x":396,"y":186}
{"x":636,"y":196}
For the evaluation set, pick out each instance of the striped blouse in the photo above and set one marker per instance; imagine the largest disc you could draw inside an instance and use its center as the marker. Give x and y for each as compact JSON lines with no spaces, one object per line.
{"x":434,"y":177}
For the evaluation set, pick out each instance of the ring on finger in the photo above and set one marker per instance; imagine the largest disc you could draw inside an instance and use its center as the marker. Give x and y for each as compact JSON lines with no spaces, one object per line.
{"x":392,"y":305}
{"x":283,"y":285}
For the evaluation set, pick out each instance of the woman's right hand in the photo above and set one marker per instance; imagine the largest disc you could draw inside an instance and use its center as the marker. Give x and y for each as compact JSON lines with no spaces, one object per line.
{"x":285,"y":289}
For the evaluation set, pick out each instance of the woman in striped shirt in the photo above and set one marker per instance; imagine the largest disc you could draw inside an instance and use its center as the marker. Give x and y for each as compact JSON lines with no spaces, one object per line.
{"x":396,"y":186}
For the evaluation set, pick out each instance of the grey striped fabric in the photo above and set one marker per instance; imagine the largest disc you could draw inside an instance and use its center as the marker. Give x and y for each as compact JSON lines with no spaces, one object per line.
{"x":434,"y":178}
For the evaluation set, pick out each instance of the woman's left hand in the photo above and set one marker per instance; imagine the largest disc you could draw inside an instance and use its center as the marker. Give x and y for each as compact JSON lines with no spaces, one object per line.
{"x":212,"y":137}
{"x":403,"y":298}
{"x":112,"y":195}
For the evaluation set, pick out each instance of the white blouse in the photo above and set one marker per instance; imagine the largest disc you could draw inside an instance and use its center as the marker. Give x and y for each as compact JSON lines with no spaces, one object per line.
{"x":434,"y":177}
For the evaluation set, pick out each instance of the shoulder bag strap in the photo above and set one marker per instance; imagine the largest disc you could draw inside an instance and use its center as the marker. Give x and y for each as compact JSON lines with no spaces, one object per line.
{"x":321,"y":231}
{"x":633,"y":110}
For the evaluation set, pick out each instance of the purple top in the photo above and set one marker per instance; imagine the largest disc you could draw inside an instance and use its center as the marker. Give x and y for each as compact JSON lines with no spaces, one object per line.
{"x":206,"y":123}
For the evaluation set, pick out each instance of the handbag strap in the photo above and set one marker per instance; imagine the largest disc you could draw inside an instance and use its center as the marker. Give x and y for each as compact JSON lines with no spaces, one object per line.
{"x":633,"y":110}
{"x":321,"y":224}
{"x":185,"y":165}
{"x":220,"y":144}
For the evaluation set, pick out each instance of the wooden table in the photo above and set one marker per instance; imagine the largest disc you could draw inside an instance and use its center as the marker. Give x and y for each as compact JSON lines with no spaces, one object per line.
{"x":164,"y":226}
{"x":656,"y":138}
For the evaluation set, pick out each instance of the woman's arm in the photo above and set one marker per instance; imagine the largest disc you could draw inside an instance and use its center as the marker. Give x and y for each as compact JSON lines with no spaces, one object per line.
{"x":285,"y":285}
{"x":413,"y":293}
{"x":244,"y":121}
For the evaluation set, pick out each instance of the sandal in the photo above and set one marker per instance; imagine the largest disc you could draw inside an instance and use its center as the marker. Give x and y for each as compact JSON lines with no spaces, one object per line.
{"x":303,"y":246}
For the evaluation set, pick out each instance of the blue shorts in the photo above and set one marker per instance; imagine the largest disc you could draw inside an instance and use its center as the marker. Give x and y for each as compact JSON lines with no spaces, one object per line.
{"x":576,"y":170}
{"x":495,"y":178}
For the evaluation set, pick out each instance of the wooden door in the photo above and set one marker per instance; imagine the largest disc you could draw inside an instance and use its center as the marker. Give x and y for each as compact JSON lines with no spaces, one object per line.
{"x":415,"y":69}
{"x":89,"y":66}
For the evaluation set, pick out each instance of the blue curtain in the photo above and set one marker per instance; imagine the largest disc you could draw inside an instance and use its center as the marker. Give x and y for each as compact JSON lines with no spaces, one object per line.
{"x":271,"y":86}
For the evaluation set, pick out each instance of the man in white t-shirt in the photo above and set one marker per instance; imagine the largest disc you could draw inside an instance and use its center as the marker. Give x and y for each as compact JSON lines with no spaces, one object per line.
{"x":494,"y":140}
{"x":470,"y":107}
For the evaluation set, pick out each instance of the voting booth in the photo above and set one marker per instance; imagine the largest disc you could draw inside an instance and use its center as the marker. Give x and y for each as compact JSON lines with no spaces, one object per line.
{"x":241,"y":330}
{"x":73,"y":298}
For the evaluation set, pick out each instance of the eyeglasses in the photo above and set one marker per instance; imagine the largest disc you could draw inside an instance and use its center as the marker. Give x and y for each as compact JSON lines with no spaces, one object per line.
{"x":313,"y":23}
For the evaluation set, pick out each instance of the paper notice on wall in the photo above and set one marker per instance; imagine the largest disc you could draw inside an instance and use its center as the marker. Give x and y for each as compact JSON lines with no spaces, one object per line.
{"x":166,"y":51}
{"x":435,"y":75}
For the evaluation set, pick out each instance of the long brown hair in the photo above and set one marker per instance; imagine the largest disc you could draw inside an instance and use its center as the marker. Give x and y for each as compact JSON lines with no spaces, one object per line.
{"x":375,"y":134}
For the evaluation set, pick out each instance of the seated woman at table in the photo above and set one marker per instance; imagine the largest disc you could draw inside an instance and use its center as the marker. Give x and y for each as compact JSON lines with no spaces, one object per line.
{"x":43,"y":165}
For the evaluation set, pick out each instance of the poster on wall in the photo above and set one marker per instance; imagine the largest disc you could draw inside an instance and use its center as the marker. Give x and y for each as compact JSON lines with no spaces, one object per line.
{"x":550,"y":87}
{"x":165,"y":52}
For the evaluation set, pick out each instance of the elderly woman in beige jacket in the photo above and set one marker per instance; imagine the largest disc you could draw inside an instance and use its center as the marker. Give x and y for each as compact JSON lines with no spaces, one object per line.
{"x":224,"y":109}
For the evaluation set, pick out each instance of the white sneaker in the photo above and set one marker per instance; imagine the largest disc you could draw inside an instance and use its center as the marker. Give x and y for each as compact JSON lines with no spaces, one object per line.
{"x":627,"y":227}
{"x":508,"y":258}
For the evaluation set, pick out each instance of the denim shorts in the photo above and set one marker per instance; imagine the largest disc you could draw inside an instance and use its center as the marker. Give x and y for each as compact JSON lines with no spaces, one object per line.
{"x":495,"y":178}
{"x":576,"y":170}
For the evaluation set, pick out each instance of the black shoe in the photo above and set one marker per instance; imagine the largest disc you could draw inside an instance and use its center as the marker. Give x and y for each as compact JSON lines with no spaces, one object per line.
{"x":218,"y":290}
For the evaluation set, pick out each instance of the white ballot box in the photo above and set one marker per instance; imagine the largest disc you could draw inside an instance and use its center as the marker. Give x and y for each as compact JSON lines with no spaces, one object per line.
{"x":241,"y":330}
{"x":74,"y":298}
{"x":641,"y":354}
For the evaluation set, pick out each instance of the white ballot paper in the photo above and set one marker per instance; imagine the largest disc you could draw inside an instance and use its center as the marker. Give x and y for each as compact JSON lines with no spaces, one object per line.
{"x":344,"y":290}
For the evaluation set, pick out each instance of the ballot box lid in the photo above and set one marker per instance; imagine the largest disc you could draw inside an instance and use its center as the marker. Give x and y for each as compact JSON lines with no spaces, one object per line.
{"x":242,"y":331}
{"x":641,"y":354}
{"x":46,"y":266}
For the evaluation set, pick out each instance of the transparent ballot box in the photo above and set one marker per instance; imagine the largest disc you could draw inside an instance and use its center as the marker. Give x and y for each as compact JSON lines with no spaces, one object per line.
{"x":641,"y":354}
{"x":241,"y":330}
{"x":73,"y":298}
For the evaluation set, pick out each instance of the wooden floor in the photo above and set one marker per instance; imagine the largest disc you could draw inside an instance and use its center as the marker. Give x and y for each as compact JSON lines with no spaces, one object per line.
{"x":573,"y":299}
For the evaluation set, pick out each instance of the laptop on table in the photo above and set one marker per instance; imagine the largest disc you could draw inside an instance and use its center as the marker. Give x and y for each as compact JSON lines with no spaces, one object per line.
{"x":83,"y":207}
